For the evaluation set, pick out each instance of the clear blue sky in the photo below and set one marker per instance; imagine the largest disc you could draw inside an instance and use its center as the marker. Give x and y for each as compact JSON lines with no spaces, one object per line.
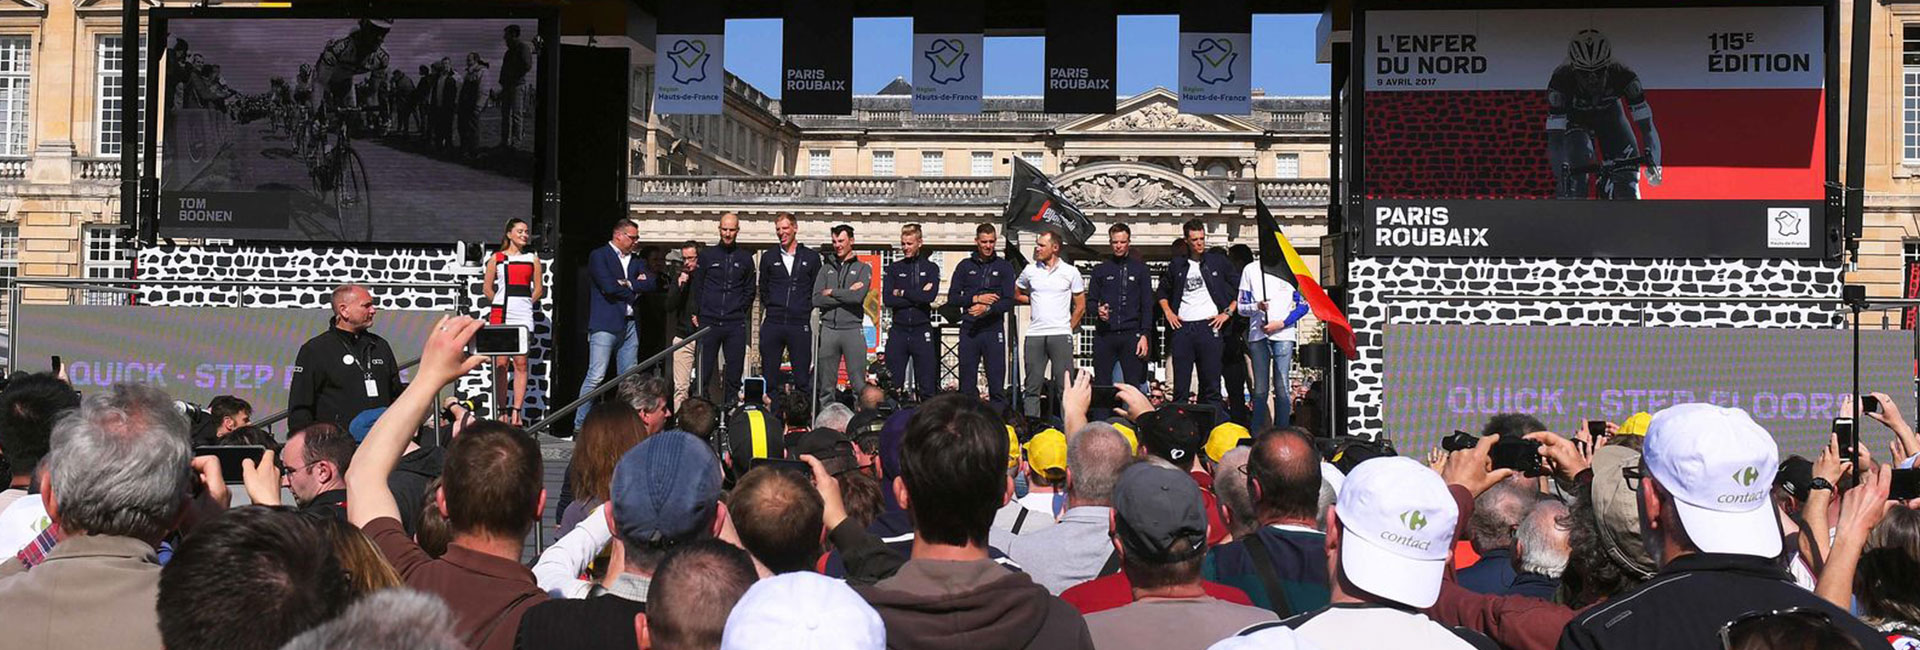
{"x":1283,"y":63}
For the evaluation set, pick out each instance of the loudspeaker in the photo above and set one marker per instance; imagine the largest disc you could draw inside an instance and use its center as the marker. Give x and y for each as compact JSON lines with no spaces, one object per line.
{"x":1316,"y":355}
{"x":592,"y":168}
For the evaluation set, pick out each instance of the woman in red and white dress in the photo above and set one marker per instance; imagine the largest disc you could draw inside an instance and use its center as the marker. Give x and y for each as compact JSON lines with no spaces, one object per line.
{"x":513,"y":285}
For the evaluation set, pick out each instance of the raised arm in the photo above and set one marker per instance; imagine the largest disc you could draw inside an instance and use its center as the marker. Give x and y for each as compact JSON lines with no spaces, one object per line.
{"x":443,"y":360}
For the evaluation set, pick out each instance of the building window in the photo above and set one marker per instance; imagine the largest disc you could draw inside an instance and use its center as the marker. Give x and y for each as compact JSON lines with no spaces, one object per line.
{"x":982,"y":163}
{"x":1286,"y":165}
{"x":882,"y":163}
{"x":1033,"y":157}
{"x":16,"y":80}
{"x":933,"y":163}
{"x":1910,"y":76}
{"x":819,"y":162}
{"x":1217,"y":169}
{"x":109,"y":257}
{"x":107,"y":93}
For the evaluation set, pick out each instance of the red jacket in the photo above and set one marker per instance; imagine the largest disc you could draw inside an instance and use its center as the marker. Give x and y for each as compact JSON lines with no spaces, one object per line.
{"x":1116,"y":590}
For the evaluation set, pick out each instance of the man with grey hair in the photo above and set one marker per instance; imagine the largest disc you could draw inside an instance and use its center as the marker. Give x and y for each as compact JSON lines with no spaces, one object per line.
{"x":648,"y":395}
{"x":833,"y":416}
{"x":1496,"y":514}
{"x":1540,"y":551}
{"x":118,"y":479}
{"x":388,"y":619}
{"x":1079,"y":547}
{"x":1230,"y":484}
{"x":346,"y":369}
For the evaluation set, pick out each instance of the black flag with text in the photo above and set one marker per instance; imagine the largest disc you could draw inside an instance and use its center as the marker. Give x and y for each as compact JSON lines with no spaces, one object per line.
{"x":1035,"y":205}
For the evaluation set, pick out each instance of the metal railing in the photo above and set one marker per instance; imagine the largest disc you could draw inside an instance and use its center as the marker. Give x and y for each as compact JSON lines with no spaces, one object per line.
{"x":560,"y":414}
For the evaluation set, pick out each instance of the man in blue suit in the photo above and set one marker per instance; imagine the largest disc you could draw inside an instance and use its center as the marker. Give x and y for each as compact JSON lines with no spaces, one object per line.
{"x":722,"y":296}
{"x":619,"y":277}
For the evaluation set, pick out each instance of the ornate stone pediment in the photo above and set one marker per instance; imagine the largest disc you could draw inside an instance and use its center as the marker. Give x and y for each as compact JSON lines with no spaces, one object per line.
{"x":1133,"y":186}
{"x":1157,"y":110}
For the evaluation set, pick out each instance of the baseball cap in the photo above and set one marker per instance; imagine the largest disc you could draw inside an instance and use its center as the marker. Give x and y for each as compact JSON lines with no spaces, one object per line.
{"x":1159,"y":514}
{"x":1719,"y":465}
{"x":1047,"y":454}
{"x":363,"y":423}
{"x":1795,"y":476}
{"x":834,"y":617}
{"x":1170,"y":434}
{"x":821,"y":443}
{"x":1224,"y":437}
{"x":1013,"y":447}
{"x":1126,"y":431}
{"x":1635,"y":425}
{"x":1397,"y":520}
{"x":665,"y":489}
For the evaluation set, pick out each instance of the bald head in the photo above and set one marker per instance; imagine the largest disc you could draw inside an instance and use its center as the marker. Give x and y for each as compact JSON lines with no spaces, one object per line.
{"x":729,"y":228}
{"x":693,"y":591}
{"x":1095,"y":456}
{"x":1284,"y":472}
{"x":1497,"y":512}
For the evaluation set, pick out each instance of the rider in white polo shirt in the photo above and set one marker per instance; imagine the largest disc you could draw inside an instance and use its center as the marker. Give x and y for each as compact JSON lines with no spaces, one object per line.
{"x":1054,"y":288}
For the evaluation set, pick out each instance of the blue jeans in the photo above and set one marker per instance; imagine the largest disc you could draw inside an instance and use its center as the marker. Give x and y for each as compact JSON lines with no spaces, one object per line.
{"x":600,"y":347}
{"x":1272,"y":363}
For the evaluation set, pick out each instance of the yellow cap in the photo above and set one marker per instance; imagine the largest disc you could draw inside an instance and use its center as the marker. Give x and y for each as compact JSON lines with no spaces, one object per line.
{"x":1224,"y":438}
{"x":1013,"y":448}
{"x":1047,"y":452}
{"x":1126,"y":431}
{"x":1636,"y":425}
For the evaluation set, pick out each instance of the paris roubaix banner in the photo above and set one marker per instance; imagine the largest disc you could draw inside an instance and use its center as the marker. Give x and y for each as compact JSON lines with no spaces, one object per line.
{"x":1617,"y":132}
{"x":817,"y":58}
{"x":690,"y":77}
{"x":1216,"y":58}
{"x":1081,"y":57}
{"x":948,"y":56}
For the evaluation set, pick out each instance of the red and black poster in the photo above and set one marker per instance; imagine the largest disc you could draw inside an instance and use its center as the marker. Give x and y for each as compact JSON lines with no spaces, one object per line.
{"x":1636,"y":132}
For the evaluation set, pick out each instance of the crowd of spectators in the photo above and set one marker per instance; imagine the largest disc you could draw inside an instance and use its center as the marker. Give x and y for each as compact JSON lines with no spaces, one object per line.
{"x":949,"y":523}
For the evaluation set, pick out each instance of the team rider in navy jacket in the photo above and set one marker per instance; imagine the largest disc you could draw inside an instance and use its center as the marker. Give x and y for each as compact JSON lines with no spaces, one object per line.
{"x":786,"y":286}
{"x":1197,"y":296}
{"x":909,"y":289}
{"x":723,"y":294}
{"x":1121,"y":297}
{"x":982,"y":287}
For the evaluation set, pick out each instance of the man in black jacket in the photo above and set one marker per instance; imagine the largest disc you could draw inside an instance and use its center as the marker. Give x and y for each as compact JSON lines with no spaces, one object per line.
{"x":723,"y":290}
{"x":680,"y":313}
{"x":1703,"y":482}
{"x":346,"y":369}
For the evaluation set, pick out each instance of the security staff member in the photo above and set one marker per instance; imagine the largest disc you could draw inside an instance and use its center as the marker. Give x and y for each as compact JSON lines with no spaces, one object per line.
{"x":909,"y":289}
{"x":346,"y":370}
{"x":1121,"y":295}
{"x":723,"y":294}
{"x":1197,"y":296}
{"x":982,"y":286}
{"x":786,"y":283}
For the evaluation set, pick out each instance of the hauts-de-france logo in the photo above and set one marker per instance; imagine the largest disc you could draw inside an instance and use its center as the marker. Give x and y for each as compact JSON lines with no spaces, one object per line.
{"x":1787,"y":223}
{"x":1216,"y":58}
{"x":689,"y":57}
{"x":949,"y":59}
{"x":1414,"y":520}
{"x":1746,"y":476}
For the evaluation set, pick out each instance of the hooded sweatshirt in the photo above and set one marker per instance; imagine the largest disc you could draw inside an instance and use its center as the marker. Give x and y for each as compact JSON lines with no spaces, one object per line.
{"x":939,"y":605}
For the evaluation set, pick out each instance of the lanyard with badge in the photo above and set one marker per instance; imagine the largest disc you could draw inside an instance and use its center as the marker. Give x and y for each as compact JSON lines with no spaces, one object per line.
{"x":366,"y":372}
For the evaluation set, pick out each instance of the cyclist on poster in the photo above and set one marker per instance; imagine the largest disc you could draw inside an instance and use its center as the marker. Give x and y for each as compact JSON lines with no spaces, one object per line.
{"x":1591,"y":146}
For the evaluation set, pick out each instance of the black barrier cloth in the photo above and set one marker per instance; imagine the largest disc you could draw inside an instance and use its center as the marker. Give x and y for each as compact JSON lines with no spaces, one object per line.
{"x":1080,"y":56}
{"x":817,"y":58}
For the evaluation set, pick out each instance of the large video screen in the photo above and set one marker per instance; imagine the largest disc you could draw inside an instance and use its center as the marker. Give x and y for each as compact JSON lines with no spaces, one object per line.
{"x":194,"y":353}
{"x":1618,"y":132}
{"x":1440,"y":378}
{"x":402,"y":130}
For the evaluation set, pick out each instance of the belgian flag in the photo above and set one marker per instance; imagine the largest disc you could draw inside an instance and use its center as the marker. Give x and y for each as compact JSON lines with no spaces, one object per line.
{"x":1278,"y":258}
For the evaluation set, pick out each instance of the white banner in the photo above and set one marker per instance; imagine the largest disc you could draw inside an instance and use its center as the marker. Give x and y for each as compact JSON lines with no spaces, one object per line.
{"x":688,"y":75}
{"x":1216,"y":73}
{"x":946,"y":72}
{"x":1669,"y":49}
